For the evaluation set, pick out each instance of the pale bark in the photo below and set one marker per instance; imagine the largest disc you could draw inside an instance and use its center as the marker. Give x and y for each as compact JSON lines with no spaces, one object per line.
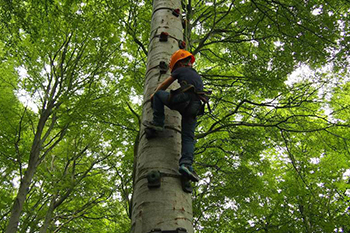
{"x":167,"y":207}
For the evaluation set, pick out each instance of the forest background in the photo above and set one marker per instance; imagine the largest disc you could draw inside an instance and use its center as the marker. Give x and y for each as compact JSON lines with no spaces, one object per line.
{"x":273,"y":154}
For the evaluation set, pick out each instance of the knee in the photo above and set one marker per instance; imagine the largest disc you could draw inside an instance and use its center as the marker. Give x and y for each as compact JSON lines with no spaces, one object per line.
{"x":159,"y":95}
{"x":159,"y":92}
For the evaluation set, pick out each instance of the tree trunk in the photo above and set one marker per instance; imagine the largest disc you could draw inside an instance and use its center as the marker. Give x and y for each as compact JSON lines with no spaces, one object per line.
{"x":167,"y":207}
{"x":49,"y":213}
{"x":28,"y":175}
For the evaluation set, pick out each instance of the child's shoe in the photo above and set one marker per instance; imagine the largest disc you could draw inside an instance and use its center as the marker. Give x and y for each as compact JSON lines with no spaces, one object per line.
{"x":187,"y":170}
{"x":152,"y":125}
{"x":152,"y":129}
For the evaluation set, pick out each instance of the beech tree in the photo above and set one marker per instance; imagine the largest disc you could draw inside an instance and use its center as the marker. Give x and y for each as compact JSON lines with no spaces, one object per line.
{"x":166,"y":207}
{"x":67,"y":72}
{"x":272,"y":155}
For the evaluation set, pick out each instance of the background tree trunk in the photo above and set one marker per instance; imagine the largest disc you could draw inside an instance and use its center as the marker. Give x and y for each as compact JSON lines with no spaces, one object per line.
{"x":167,"y":207}
{"x":28,"y":175}
{"x":49,"y":214}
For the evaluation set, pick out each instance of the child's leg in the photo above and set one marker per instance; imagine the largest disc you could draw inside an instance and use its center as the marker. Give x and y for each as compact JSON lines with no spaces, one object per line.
{"x":187,"y":133}
{"x":188,"y":124}
{"x":160,"y":99}
{"x":187,"y":150}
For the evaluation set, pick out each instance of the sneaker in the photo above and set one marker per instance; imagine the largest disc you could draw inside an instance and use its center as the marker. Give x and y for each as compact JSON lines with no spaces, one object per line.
{"x":187,"y":171}
{"x":152,"y":125}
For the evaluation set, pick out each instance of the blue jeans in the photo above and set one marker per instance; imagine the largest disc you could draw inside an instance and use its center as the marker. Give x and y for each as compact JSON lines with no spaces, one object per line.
{"x":188,"y":122}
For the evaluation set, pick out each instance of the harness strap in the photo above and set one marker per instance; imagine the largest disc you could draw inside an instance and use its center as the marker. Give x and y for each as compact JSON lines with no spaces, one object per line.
{"x":185,"y":87}
{"x":204,"y":96}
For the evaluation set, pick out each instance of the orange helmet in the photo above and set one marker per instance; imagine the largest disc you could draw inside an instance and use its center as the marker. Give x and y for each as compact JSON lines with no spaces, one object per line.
{"x":179,"y":55}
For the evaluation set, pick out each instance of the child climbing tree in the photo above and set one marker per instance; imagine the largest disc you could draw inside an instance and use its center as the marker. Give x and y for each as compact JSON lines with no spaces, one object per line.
{"x":159,"y":200}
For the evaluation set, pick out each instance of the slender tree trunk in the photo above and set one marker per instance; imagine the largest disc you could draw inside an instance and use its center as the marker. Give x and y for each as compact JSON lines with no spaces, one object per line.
{"x":28,"y":175}
{"x":21,"y":197}
{"x":167,"y":207}
{"x":49,"y":213}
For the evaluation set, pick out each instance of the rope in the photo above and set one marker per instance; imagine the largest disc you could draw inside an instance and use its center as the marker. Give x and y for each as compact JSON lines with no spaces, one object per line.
{"x":162,"y":174}
{"x":176,"y":12}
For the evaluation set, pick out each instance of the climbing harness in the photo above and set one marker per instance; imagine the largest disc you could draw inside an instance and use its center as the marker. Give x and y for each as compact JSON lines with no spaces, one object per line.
{"x":179,"y":101}
{"x":204,"y":96}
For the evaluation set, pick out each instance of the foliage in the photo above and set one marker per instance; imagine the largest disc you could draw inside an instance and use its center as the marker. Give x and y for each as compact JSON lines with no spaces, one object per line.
{"x":273,"y":154}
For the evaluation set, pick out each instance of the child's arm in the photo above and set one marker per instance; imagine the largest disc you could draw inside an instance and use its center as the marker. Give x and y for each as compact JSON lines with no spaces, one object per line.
{"x":164,"y":85}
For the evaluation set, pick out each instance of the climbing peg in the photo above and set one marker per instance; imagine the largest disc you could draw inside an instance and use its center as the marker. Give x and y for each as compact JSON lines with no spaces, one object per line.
{"x":181,"y":230}
{"x":176,"y":12}
{"x":157,"y":230}
{"x":184,"y":23}
{"x":163,"y":37}
{"x":153,"y":178}
{"x":186,"y":185}
{"x":182,"y":44}
{"x":163,"y":66}
{"x":178,"y":230}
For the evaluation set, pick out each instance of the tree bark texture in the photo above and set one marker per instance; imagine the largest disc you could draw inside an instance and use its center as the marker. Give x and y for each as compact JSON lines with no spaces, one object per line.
{"x":167,"y":207}
{"x":49,"y":214}
{"x":28,"y":175}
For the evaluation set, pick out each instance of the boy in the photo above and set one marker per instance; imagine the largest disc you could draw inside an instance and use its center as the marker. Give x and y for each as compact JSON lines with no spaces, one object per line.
{"x":186,"y":102}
